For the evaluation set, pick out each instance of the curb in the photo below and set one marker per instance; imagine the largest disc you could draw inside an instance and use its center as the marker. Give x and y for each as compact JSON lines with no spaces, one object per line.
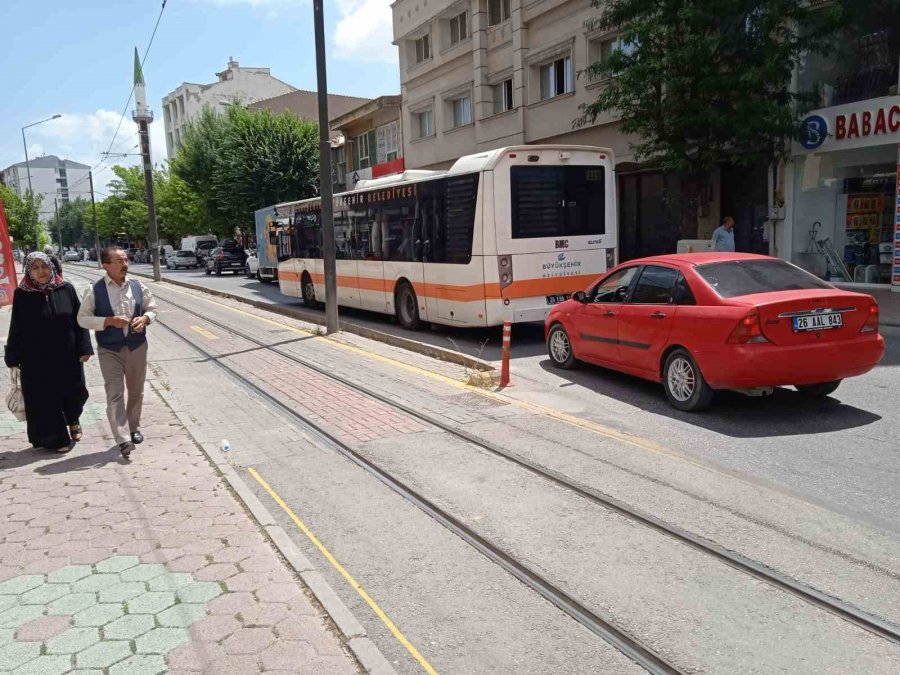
{"x":364,"y":649}
{"x":369,"y":333}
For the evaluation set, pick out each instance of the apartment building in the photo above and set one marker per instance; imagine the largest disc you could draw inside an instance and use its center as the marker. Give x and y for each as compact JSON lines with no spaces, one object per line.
{"x":52,"y":177}
{"x":235,"y":83}
{"x":370,"y":144}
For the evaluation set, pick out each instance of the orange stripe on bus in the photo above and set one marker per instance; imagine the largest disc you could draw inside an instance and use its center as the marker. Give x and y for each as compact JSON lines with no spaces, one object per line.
{"x":525,"y":288}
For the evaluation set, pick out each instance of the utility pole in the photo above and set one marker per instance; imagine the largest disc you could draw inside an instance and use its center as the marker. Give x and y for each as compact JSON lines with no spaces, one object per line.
{"x":94,"y":217}
{"x":37,"y":226}
{"x":58,"y":228}
{"x":144,"y":116}
{"x":331,"y":307}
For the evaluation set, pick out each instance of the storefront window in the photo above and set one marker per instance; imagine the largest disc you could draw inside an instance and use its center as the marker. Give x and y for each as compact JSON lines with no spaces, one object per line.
{"x":844,"y":201}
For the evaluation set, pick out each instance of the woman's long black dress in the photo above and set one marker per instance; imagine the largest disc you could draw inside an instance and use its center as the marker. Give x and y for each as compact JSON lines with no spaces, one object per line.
{"x":46,"y":343}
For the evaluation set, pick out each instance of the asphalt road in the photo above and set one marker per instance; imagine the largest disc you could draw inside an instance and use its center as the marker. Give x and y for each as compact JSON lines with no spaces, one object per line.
{"x":842,"y":452}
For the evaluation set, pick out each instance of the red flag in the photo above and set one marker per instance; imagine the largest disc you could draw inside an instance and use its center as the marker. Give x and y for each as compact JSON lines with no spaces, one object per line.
{"x":8,"y":281}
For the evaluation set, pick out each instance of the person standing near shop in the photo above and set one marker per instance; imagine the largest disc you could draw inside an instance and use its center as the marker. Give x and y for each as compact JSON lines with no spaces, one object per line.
{"x":119,"y":309}
{"x":723,"y":237}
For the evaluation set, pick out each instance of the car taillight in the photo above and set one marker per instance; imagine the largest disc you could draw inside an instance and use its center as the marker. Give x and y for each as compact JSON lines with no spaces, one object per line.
{"x":748,"y":330}
{"x":871,"y":324}
{"x":504,"y":268}
{"x":221,"y":256}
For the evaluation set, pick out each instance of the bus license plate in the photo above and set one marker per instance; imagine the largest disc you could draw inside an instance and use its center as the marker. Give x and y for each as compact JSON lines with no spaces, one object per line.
{"x":556,"y":299}
{"x":817,"y":322}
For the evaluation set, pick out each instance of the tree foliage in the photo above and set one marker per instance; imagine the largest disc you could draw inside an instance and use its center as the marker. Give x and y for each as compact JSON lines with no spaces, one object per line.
{"x":22,"y":215}
{"x":243,"y":160}
{"x":73,"y":221}
{"x":708,"y":81}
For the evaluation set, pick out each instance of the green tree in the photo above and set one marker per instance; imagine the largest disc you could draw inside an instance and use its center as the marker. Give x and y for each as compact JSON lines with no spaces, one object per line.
{"x":73,"y":221}
{"x":705,"y":82}
{"x":23,"y":215}
{"x":244,"y":160}
{"x":180,"y":211}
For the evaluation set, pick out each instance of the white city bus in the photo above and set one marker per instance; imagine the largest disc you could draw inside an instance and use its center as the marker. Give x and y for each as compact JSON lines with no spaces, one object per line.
{"x":502,"y":235}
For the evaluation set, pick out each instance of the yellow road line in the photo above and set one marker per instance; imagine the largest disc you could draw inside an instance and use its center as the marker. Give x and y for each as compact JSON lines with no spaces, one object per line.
{"x":588,"y":425}
{"x":205,"y":333}
{"x":401,"y":638}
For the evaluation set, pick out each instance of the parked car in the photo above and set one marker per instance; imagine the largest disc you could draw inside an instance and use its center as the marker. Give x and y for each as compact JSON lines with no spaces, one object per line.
{"x":225,"y":260}
{"x":181,"y":259}
{"x":251,"y":265}
{"x":706,"y":321}
{"x":71,"y":256}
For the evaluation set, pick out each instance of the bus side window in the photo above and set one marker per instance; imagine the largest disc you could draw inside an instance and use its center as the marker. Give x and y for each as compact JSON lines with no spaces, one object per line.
{"x":450,"y":219}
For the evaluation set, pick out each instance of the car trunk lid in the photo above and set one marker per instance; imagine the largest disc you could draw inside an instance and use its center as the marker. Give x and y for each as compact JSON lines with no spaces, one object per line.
{"x":811,"y":316}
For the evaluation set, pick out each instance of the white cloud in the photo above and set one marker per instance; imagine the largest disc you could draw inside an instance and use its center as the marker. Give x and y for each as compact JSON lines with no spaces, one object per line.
{"x":364,"y":31}
{"x":82,"y":137}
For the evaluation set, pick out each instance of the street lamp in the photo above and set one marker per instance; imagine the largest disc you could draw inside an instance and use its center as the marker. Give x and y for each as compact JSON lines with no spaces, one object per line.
{"x":37,"y":232}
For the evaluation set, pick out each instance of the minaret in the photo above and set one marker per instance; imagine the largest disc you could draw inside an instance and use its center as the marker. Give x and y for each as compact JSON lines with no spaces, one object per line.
{"x":144,"y":116}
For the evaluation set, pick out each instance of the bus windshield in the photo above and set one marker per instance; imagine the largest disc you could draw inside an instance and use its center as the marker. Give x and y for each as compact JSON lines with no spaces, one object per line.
{"x":557,"y":201}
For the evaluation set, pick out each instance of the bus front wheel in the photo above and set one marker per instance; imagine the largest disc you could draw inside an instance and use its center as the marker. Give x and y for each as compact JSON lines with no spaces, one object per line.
{"x":309,"y":290}
{"x":407,"y":306}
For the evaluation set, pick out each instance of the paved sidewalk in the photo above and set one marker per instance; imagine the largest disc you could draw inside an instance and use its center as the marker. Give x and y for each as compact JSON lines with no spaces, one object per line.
{"x":142,"y":567}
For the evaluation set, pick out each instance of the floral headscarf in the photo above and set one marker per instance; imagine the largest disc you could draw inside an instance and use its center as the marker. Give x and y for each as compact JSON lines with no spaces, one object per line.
{"x":29,"y":284}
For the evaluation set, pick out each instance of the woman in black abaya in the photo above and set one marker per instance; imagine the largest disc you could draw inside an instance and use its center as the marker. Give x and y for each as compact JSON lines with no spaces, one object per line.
{"x":49,"y":347}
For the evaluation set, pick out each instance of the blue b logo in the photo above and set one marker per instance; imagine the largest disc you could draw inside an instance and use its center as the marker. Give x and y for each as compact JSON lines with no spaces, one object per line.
{"x":813,"y":132}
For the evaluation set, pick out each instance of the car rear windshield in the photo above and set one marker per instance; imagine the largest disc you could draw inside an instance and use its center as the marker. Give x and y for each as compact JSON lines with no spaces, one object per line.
{"x":184,"y":254}
{"x":745,"y":277}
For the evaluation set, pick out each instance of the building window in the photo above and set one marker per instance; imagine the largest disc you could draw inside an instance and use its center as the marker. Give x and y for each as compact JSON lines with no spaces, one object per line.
{"x":498,"y":11}
{"x":503,"y":96}
{"x":557,"y":78}
{"x":600,"y":49}
{"x":459,"y":28}
{"x":424,"y":123}
{"x":462,"y":111}
{"x":423,"y":48}
{"x":365,"y":149}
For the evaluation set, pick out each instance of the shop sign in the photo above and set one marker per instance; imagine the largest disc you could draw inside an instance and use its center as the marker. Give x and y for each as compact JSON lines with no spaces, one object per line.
{"x":895,"y":277}
{"x":854,"y":125}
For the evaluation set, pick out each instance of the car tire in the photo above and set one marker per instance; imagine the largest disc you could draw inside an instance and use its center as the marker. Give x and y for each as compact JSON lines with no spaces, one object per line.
{"x":406,"y":306}
{"x":685,"y":386}
{"x":218,"y":271}
{"x":559,"y":348}
{"x":819,"y":390}
{"x":206,"y":269}
{"x":308,"y":290}
{"x":247,"y":272}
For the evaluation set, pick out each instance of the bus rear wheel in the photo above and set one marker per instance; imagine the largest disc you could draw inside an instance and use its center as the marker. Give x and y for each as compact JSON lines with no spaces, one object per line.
{"x":407,"y":306}
{"x":309,"y":290}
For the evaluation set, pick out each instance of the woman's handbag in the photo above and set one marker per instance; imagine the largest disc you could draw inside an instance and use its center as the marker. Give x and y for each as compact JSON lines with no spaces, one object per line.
{"x":15,"y":401}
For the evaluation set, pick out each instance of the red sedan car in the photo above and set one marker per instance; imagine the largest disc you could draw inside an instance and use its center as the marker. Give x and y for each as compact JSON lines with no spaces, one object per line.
{"x":705,"y":321}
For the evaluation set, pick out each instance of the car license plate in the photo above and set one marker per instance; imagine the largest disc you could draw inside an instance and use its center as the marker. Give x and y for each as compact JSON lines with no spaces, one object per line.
{"x":817,"y":322}
{"x":556,"y":299}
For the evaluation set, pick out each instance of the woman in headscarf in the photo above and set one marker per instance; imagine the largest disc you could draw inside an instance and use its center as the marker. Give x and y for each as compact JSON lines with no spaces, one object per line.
{"x":49,"y":347}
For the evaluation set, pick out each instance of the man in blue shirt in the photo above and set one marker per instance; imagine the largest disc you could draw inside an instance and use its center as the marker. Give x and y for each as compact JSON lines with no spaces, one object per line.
{"x":723,"y":237}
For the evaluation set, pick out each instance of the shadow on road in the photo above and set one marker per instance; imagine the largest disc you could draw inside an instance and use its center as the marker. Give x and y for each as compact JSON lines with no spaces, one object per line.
{"x":785,"y":413}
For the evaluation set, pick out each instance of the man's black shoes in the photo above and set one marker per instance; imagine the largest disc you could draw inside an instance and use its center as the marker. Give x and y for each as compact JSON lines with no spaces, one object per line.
{"x":137,"y":437}
{"x":126,"y":448}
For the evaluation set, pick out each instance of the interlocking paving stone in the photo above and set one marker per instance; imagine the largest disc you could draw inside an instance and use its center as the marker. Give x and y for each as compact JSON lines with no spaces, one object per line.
{"x":15,"y":654}
{"x":169,"y":582}
{"x":151,"y":602}
{"x":70,"y":574}
{"x":128,"y":627}
{"x":201,"y":591}
{"x":182,"y":615}
{"x":140,"y":664}
{"x":46,"y":665}
{"x":73,"y":640}
{"x":99,"y":615}
{"x":103,"y":654}
{"x":16,"y":616}
{"x":44,"y":594}
{"x":43,"y":628}
{"x":123,"y":591}
{"x":142,"y":572}
{"x":94,"y":583}
{"x":116,"y":564}
{"x":161,"y":640}
{"x":72,"y":603}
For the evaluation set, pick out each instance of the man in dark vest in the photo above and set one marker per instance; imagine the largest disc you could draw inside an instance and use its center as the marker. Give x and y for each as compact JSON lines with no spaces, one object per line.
{"x":119,"y":309}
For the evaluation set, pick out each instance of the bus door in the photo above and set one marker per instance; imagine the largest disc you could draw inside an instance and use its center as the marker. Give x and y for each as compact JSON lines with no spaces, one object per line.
{"x":345,"y":261}
{"x":400,"y":231}
{"x":366,"y":240}
{"x":453,"y":276}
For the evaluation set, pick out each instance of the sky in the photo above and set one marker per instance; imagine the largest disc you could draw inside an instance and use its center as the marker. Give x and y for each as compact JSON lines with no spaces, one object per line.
{"x":76,"y":59}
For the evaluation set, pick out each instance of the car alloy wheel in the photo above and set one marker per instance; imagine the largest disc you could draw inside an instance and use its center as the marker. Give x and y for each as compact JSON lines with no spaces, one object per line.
{"x":685,"y":386}
{"x":682,"y":379}
{"x":560,"y":347}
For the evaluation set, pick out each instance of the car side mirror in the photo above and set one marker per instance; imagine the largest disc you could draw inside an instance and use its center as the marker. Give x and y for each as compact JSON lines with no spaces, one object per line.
{"x":580,"y":296}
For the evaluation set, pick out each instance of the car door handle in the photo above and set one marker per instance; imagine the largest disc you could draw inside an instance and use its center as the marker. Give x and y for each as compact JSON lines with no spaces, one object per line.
{"x":658,"y":315}
{"x":609,"y":312}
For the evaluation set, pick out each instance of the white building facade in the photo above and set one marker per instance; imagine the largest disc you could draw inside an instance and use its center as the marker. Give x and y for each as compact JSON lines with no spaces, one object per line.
{"x":235,"y":83}
{"x":52,"y":177}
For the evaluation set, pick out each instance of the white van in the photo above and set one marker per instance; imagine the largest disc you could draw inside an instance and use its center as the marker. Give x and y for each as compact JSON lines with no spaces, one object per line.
{"x":200,"y":245}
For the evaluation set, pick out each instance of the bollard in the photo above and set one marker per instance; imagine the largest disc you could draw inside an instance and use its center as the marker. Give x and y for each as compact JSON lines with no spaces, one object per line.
{"x":504,"y":367}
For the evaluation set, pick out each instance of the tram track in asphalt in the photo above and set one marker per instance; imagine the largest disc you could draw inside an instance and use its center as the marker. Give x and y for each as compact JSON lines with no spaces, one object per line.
{"x":604,"y":628}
